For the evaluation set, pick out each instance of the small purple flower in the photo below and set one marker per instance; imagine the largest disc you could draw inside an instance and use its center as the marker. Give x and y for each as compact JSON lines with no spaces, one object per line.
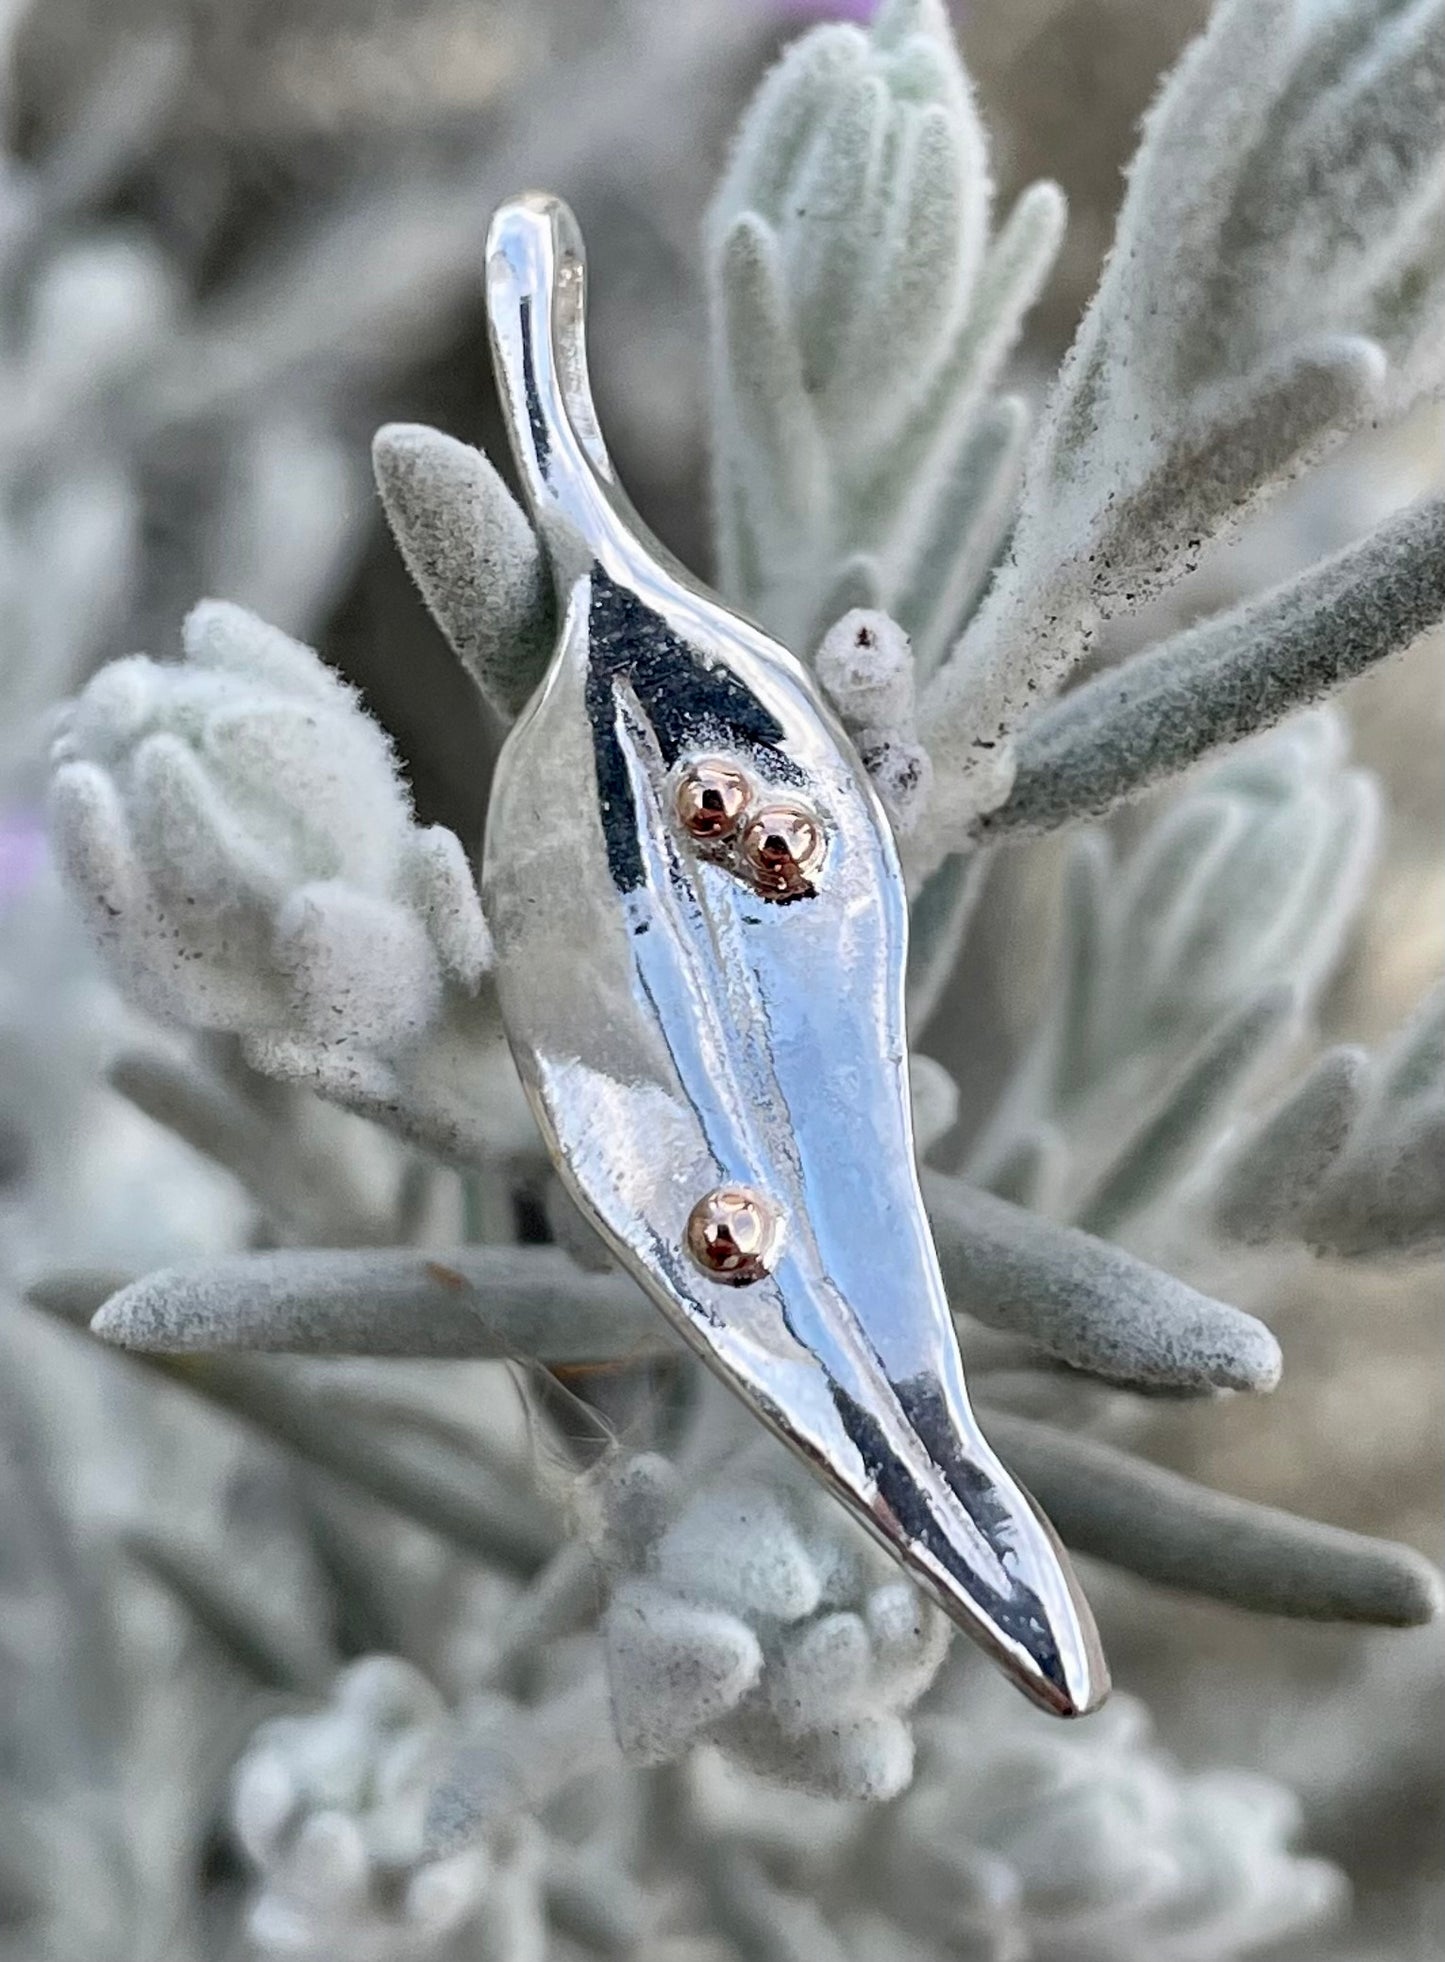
{"x":22,"y":852}
{"x":860,"y":10}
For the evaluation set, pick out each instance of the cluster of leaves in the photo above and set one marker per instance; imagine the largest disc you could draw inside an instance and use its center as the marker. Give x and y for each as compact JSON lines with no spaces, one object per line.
{"x":239,"y":833}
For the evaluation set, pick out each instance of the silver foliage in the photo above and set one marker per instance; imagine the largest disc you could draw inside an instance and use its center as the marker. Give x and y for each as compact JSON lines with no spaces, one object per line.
{"x":1167,"y":1529}
{"x":1180,"y":972}
{"x":1084,"y":1844}
{"x":1085,"y":1301}
{"x":110,"y":371}
{"x":311,"y":917}
{"x":862,"y":315}
{"x":331,"y":1808}
{"x":472,"y":553}
{"x":1205,"y":1868}
{"x":1293,"y":154}
{"x":748,"y":1612}
{"x":1353,"y":1159}
{"x":1113,"y":738}
{"x":587,"y":1671}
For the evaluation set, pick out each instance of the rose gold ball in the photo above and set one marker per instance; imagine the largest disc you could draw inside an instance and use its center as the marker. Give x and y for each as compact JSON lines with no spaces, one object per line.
{"x":711,"y":799}
{"x":782,"y":850}
{"x":733,"y":1235}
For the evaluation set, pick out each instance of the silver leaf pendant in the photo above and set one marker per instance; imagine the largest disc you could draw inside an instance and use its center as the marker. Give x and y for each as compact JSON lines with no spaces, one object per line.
{"x":701,"y":931}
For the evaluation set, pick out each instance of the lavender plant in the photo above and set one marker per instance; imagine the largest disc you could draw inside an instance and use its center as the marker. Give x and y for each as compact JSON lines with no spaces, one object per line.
{"x":592,"y":1672}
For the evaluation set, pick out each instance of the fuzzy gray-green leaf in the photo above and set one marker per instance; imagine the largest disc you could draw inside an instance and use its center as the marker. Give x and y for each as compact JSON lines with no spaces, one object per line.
{"x":473,"y":556}
{"x":1169,"y":1530}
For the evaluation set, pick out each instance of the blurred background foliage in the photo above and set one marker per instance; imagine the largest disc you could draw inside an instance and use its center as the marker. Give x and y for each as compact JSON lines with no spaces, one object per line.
{"x":237,"y":235}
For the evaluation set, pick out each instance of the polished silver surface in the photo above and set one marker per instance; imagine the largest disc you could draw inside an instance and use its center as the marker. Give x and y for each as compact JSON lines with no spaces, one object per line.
{"x":697,"y":1022}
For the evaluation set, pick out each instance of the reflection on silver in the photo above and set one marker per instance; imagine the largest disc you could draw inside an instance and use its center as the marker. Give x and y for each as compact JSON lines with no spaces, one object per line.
{"x":681,"y":1036}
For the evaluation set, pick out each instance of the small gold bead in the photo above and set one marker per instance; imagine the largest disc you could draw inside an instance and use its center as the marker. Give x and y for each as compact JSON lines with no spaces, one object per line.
{"x":712,"y":797}
{"x":782,"y":850}
{"x":733,"y":1235}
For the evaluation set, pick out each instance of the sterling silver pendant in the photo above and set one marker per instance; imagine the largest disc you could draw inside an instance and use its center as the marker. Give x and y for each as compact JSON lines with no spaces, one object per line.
{"x":701,"y":933}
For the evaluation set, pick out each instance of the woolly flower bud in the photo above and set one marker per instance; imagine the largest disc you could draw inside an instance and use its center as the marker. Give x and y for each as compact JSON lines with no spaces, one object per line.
{"x":865,"y":665}
{"x":1090,"y":1841}
{"x":1250,"y":879}
{"x":236,"y":827}
{"x":756,"y":1617}
{"x":860,"y":319}
{"x":860,"y":172}
{"x":331,"y":1808}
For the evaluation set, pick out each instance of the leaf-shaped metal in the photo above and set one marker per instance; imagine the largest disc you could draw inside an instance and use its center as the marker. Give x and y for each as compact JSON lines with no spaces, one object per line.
{"x":714,"y":1046}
